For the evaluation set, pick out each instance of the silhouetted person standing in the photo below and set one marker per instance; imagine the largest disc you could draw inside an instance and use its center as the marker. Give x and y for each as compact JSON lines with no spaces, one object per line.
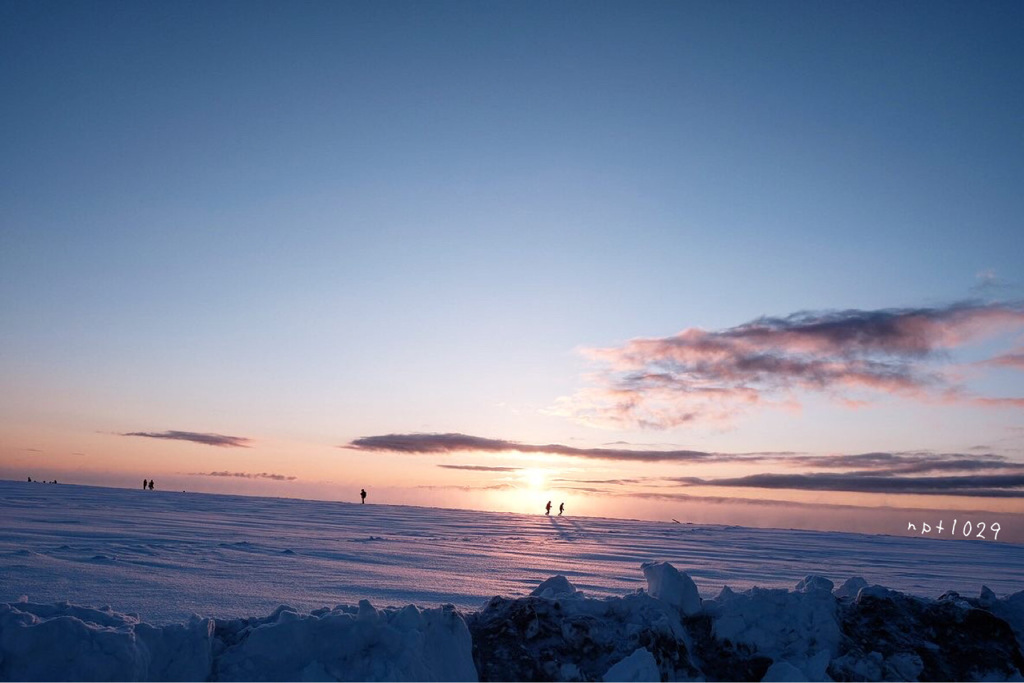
{"x":150,"y":484}
{"x":561,"y":509}
{"x":145,"y":484}
{"x":547,"y":510}
{"x":362,"y":494}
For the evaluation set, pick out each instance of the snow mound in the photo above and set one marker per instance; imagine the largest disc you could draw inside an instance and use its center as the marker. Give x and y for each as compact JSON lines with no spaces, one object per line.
{"x":800,"y":628}
{"x":65,"y":642}
{"x":808,"y":634}
{"x":639,"y":666}
{"x":1010,"y":610}
{"x":556,"y":587}
{"x":557,"y":639}
{"x":347,"y":644}
{"x":892,"y":636}
{"x":814,"y":583}
{"x":876,"y":593}
{"x":851,"y":587}
{"x":61,"y":642}
{"x":666,"y":583}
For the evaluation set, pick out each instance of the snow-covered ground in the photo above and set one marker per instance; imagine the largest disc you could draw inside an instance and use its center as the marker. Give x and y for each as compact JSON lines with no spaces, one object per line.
{"x":166,"y":555}
{"x":347,"y":573}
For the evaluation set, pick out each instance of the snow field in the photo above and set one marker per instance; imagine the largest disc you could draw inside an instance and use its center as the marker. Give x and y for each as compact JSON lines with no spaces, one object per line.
{"x":607,"y":602}
{"x":167,"y":555}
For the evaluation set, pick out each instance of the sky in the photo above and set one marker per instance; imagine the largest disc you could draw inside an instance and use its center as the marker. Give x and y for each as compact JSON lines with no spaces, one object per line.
{"x":727,"y":262}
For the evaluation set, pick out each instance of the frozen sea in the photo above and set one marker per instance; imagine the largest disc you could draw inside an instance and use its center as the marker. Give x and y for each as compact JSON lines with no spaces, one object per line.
{"x":166,"y":555}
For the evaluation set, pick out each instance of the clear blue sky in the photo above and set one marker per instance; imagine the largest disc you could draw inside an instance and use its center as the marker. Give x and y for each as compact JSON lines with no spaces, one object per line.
{"x":305,"y":223}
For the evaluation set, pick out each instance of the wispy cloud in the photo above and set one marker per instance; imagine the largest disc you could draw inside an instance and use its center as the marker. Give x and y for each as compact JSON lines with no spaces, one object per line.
{"x":990,"y":284}
{"x":614,"y":482}
{"x":455,"y":443}
{"x":1014,"y":359}
{"x":453,"y":487}
{"x":197,"y":437}
{"x":998,"y":402}
{"x":480,"y":468}
{"x":713,"y":375}
{"x":245,"y":475}
{"x":583,"y":489}
{"x":907,"y":462}
{"x":1000,"y":485}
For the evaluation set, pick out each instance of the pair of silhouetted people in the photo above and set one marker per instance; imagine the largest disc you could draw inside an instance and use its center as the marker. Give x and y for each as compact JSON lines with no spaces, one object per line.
{"x":547,"y":508}
{"x":362,"y":494}
{"x":147,"y":483}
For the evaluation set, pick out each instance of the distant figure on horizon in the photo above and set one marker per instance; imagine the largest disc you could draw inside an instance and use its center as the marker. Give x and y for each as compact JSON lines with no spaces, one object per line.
{"x":561,"y":509}
{"x":30,"y":480}
{"x":145,"y":483}
{"x":547,"y":510}
{"x":150,"y":484}
{"x":362,"y":494}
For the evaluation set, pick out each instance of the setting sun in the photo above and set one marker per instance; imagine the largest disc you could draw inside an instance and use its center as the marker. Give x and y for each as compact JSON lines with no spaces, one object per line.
{"x":534,"y":478}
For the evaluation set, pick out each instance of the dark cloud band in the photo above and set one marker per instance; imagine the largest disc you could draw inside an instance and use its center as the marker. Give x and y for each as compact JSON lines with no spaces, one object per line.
{"x":480,"y":468}
{"x":1010,"y":486}
{"x":455,"y":443}
{"x":197,"y":437}
{"x":245,"y":475}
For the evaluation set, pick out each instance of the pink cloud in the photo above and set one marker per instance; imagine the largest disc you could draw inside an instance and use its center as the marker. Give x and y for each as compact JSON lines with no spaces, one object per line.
{"x":714,"y":375}
{"x":245,"y":475}
{"x":1014,"y":359}
{"x":999,"y":402}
